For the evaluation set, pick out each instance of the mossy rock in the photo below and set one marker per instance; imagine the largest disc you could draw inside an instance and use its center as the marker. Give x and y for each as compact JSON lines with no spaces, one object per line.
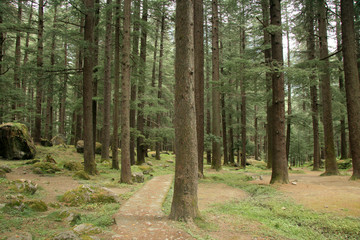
{"x":344,"y":164}
{"x":5,"y":168}
{"x":80,"y":146}
{"x":59,"y":140}
{"x":45,"y":142}
{"x":15,"y":142}
{"x":37,"y":205}
{"x":65,"y":215}
{"x":2,"y":174}
{"x":146,"y":167}
{"x":25,"y":186}
{"x":87,"y":194}
{"x":45,"y":167}
{"x":98,"y":147}
{"x":16,"y":204}
{"x":73,"y":166}
{"x":81,"y":175}
{"x":87,"y":229}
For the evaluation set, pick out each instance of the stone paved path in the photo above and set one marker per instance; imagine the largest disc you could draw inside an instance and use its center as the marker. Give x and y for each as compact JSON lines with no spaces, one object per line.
{"x":141,"y":216}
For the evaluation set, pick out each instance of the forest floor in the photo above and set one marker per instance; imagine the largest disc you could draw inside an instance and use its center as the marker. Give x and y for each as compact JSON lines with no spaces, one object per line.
{"x":234,"y":203}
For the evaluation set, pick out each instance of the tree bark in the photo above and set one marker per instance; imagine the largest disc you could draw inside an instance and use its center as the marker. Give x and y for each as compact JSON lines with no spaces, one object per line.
{"x":141,"y":147}
{"x":62,"y":112}
{"x":207,"y":80}
{"x":279,"y":164}
{"x":107,"y":84}
{"x":243,"y":103}
{"x":95,"y":69}
{"x":125,"y":97}
{"x":351,"y":83}
{"x":330,"y":156}
{"x":134,"y":77}
{"x":89,"y":158}
{"x":199,"y":79}
{"x":17,"y":59}
{"x":39,"y":64}
{"x":116,"y":113}
{"x":216,"y":110}
{"x":184,"y":205}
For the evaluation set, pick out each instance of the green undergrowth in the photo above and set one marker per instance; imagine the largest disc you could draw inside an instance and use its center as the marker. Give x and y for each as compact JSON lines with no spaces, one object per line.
{"x":100,"y":215}
{"x":280,"y":215}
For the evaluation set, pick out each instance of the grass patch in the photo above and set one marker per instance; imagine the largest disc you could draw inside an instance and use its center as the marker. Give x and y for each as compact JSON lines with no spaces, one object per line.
{"x":101,"y":215}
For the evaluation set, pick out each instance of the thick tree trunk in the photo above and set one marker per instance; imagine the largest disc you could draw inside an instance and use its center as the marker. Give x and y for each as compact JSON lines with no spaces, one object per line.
{"x":279,"y":164}
{"x":351,"y":83}
{"x":107,"y":84}
{"x":184,"y":205}
{"x":330,"y":156}
{"x":207,"y":80}
{"x":63,"y":95}
{"x":216,"y":110}
{"x":89,"y":158}
{"x":134,"y":77}
{"x":95,"y":69}
{"x":17,"y":59}
{"x":199,"y":79}
{"x":125,"y":97}
{"x":39,"y":64}
{"x":288,"y":126}
{"x":141,"y":147}
{"x":116,"y":113}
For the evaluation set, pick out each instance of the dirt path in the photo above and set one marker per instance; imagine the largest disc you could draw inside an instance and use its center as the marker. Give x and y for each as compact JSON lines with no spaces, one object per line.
{"x":141,"y":216}
{"x":326,"y":193}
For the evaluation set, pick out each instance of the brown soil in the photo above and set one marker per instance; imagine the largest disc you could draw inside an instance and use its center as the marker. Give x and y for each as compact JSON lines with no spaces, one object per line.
{"x":322,"y":193}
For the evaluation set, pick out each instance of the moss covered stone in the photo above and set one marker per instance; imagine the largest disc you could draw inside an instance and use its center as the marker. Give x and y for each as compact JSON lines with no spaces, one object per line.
{"x":73,"y":166}
{"x":37,"y":205}
{"x":25,"y":186}
{"x":81,"y":175}
{"x":86,"y":194}
{"x":15,"y":142}
{"x":87,"y":229}
{"x":45,"y":167}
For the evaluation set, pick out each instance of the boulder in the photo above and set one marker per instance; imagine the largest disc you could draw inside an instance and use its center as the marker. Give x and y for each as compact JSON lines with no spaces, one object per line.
{"x":98,"y":147}
{"x":73,"y":166}
{"x":87,"y":194}
{"x":138,"y":177}
{"x":15,"y":142}
{"x":26,"y":186}
{"x":37,"y":205}
{"x":87,"y":229}
{"x":58,"y":140}
{"x":80,"y":146}
{"x":45,"y":142}
{"x":45,"y":167}
{"x":2,"y":174}
{"x":68,"y":235}
{"x":5,"y":168}
{"x":21,"y":236}
{"x":81,"y":175}
{"x":69,"y":216}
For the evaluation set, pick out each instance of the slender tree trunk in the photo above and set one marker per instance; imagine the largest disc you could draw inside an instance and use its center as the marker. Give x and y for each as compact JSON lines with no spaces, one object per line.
{"x":115,"y":143}
{"x":95,"y":69}
{"x":89,"y":158}
{"x":37,"y":133}
{"x":224,"y":131}
{"x":184,"y":205}
{"x":199,"y":79}
{"x":49,"y":99}
{"x":216,"y":111}
{"x":107,"y":83}
{"x":141,"y":147}
{"x":134,"y":77}
{"x":207,"y":80}
{"x":351,"y":83}
{"x":125,"y":97}
{"x":17,"y":59}
{"x":288,"y":127}
{"x":78,"y":90}
{"x":243,"y":103}
{"x":256,"y":137}
{"x":160,"y":79}
{"x":330,"y":156}
{"x":279,"y":164}
{"x":62,"y":111}
{"x":267,"y":55}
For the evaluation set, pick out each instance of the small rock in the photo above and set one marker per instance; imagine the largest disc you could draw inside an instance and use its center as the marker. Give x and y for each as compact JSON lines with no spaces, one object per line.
{"x":166,"y":166}
{"x":170,"y":161}
{"x":2,"y":205}
{"x":326,"y":206}
{"x":283,"y":208}
{"x":86,"y":229}
{"x":5,"y":168}
{"x":46,"y":143}
{"x":32,"y":161}
{"x":21,"y":236}
{"x":81,"y":175}
{"x":37,"y":205}
{"x":293,"y":183}
{"x":146,"y":172}
{"x":260,"y":177}
{"x":58,"y":140}
{"x":26,"y":186}
{"x":2,"y":174}
{"x":68,"y":235}
{"x":138,"y":177}
{"x":149,"y":163}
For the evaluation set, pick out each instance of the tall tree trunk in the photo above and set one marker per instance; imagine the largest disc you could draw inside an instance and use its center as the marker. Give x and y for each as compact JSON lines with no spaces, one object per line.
{"x":256,"y":136}
{"x":279,"y":163}
{"x":243,"y":103}
{"x":107,"y":83}
{"x":199,"y":79}
{"x":343,"y":138}
{"x":134,"y":77}
{"x":89,"y":158}
{"x":184,"y":205}
{"x":330,"y":156}
{"x":216,"y":111}
{"x":313,"y":88}
{"x":288,"y":127}
{"x":267,"y":55}
{"x":224,"y":131}
{"x":95,"y":69}
{"x":17,"y":59}
{"x":160,"y":79}
{"x":78,"y":90}
{"x":125,"y":97}
{"x":116,"y":113}
{"x":207,"y":80}
{"x":63,"y":95}
{"x":351,"y":83}
{"x":49,"y":99}
{"x":141,"y":147}
{"x":37,"y":133}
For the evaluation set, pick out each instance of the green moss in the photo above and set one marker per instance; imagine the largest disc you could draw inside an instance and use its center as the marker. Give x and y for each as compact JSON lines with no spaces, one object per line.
{"x":86,"y":194}
{"x":45,"y":167}
{"x":81,"y":175}
{"x":73,"y":166}
{"x":146,"y":167}
{"x":37,"y":205}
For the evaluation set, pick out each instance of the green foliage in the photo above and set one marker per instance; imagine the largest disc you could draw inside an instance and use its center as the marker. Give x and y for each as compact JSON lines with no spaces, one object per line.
{"x":102,"y":216}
